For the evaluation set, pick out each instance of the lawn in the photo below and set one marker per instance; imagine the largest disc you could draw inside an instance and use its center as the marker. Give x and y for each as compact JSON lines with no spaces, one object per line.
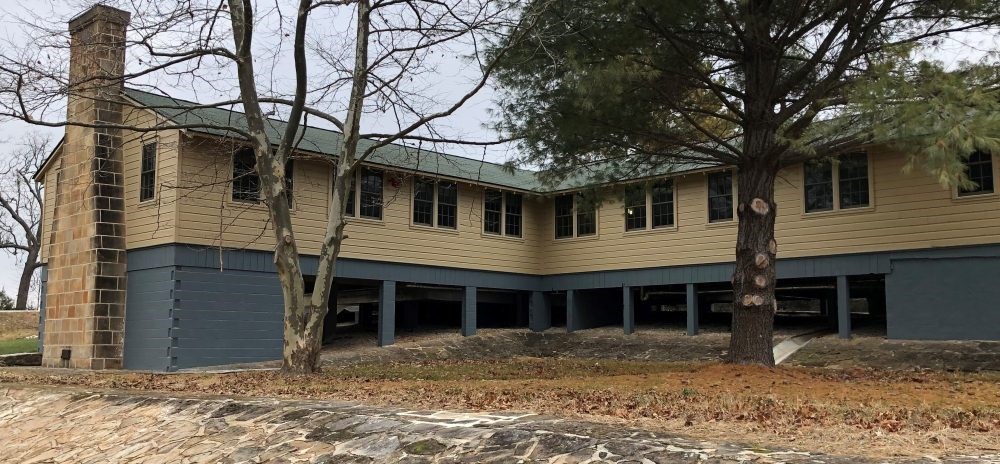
{"x":18,"y":345}
{"x":846,"y":411}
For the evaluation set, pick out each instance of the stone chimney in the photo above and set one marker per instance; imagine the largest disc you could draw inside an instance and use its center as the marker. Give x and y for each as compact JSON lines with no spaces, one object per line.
{"x":85,"y":292}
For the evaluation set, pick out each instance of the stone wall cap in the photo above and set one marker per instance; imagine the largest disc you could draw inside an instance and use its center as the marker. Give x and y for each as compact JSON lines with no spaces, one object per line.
{"x":102,"y":12}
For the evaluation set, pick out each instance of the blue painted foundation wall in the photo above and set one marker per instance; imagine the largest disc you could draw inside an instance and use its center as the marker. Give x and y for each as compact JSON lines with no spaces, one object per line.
{"x":944,"y":299}
{"x":182,"y":311}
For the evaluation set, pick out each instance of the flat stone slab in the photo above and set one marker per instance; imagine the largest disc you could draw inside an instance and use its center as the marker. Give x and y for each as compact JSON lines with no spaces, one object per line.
{"x":21,"y":359}
{"x":49,"y":425}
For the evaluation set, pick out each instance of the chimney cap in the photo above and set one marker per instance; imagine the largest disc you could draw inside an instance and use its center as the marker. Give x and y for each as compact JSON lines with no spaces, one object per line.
{"x":99,"y":12}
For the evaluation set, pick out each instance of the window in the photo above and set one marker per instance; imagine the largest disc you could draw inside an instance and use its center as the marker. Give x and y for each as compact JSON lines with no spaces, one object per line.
{"x":572,"y":213}
{"x":502,"y":213}
{"x":829,"y":189}
{"x":147,"y":172}
{"x":512,"y":214}
{"x":564,"y":216}
{"x":447,"y":205}
{"x":290,"y":181}
{"x":423,"y":202}
{"x":349,"y":208}
{"x":819,"y":186}
{"x":853,"y":173}
{"x":492,"y":206}
{"x":720,"y":196}
{"x":435,"y":203}
{"x":655,"y":202}
{"x":663,"y":203}
{"x":979,"y":169}
{"x":371,"y":194}
{"x":246,"y":182}
{"x":635,"y":207}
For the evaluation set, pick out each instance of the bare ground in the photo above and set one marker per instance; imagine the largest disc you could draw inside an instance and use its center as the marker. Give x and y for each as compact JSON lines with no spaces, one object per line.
{"x":883,"y":399}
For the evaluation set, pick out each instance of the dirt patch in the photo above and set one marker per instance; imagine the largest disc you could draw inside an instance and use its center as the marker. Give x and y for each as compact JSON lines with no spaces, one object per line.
{"x":18,"y":324}
{"x":877,"y":412}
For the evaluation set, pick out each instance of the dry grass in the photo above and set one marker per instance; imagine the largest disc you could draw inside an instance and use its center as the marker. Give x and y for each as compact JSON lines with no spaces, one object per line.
{"x":877,"y":413}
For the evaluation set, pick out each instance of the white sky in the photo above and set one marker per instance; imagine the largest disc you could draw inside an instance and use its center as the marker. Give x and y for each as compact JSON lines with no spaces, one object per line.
{"x":449,"y":83}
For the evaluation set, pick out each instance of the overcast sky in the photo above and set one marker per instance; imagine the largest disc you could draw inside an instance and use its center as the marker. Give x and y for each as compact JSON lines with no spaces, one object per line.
{"x":449,"y":82}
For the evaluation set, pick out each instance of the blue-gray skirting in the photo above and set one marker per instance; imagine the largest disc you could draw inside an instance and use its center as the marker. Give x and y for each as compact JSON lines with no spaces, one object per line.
{"x":182,"y":311}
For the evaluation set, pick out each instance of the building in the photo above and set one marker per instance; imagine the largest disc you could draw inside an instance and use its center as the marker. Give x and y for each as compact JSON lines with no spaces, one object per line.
{"x":156,"y":258}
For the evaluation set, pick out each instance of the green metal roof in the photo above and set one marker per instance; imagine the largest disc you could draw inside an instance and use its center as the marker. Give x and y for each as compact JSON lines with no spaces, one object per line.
{"x":213,"y":120}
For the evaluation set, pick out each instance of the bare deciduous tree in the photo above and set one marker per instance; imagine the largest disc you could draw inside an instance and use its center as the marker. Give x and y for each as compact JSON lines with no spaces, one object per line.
{"x":352,"y":59}
{"x":21,"y":213}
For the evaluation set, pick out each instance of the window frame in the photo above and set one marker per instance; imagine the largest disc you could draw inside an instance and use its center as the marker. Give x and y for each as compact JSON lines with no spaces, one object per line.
{"x":435,"y":204}
{"x":957,"y":192}
{"x":734,"y":193}
{"x":232,"y":173}
{"x":835,"y":179}
{"x":503,"y":220}
{"x":575,"y":214}
{"x":381,"y":207}
{"x":156,"y":165}
{"x":648,"y":204}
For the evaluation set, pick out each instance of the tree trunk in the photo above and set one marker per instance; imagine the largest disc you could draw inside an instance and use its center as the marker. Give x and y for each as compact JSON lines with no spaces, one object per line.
{"x":24,"y":286}
{"x":754,"y":277}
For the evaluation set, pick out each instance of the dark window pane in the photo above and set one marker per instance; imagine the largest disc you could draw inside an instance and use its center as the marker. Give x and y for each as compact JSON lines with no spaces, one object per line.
{"x":819,"y":186}
{"x":492,"y":204}
{"x":371,"y":194}
{"x":246,"y":182}
{"x":586,"y":217}
{"x":352,"y":193}
{"x":147,"y":175}
{"x":290,"y":181}
{"x":979,"y":170}
{"x":512,"y":218}
{"x":635,"y":207}
{"x":853,"y":171}
{"x":720,"y":196}
{"x":564,"y":216}
{"x":447,"y":204}
{"x":663,"y":203}
{"x":423,"y":202}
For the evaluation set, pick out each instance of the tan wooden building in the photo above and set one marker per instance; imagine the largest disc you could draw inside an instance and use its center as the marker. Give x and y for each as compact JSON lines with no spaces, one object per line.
{"x":158,"y":250}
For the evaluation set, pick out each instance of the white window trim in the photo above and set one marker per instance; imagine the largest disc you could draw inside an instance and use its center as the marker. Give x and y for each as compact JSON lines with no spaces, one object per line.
{"x":576,"y":226}
{"x":503,"y":216}
{"x":356,"y":217}
{"x":981,"y":196}
{"x":434,"y":206}
{"x":709,"y":223}
{"x":648,"y":187}
{"x":835,"y":176}
{"x":156,"y":172}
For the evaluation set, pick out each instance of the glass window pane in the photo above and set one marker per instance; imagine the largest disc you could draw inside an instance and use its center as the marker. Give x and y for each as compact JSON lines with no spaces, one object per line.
{"x":564,"y":216}
{"x":492,"y":204}
{"x":635,"y":207}
{"x":352,"y":193}
{"x":720,"y":196}
{"x":853,"y":172}
{"x":371,"y":194}
{"x":512,"y":218}
{"x":423,"y":202}
{"x":447,"y":204}
{"x":246,"y":182}
{"x":980,"y":171}
{"x":663,"y":203}
{"x":819,"y":186}
{"x":586,"y":217}
{"x":147,"y":176}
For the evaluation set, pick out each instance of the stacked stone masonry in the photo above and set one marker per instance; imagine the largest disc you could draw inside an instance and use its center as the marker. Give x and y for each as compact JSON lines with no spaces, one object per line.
{"x":85,"y":291}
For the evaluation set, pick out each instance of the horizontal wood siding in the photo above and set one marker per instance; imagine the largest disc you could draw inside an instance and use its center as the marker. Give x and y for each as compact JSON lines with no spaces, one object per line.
{"x":48,"y":206}
{"x":909,"y":211}
{"x":150,"y":222}
{"x":208,"y":216}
